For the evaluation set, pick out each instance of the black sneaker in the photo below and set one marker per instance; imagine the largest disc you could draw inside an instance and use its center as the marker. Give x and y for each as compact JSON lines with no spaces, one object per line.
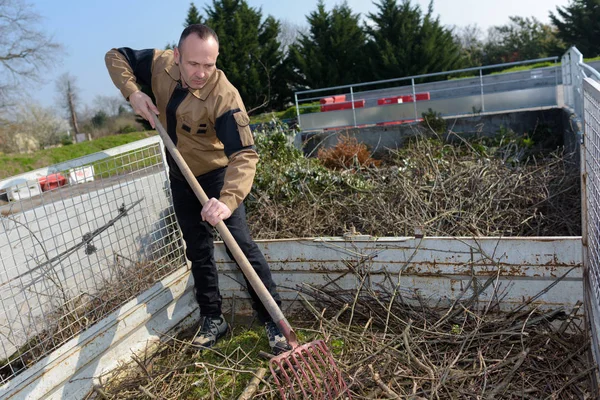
{"x":277,"y":341}
{"x":213,"y":328}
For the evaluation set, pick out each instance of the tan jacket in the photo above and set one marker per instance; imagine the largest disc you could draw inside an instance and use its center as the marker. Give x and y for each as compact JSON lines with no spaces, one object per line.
{"x":208,"y":125}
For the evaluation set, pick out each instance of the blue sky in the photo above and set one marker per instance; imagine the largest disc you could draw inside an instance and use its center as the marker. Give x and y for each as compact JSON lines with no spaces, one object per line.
{"x":88,"y":29}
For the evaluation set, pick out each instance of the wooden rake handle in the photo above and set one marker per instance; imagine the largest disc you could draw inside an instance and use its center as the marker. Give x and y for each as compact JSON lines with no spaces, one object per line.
{"x":240,"y":257}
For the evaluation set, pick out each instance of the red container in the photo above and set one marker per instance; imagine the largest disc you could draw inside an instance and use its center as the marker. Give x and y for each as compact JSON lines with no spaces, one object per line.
{"x":52,"y":181}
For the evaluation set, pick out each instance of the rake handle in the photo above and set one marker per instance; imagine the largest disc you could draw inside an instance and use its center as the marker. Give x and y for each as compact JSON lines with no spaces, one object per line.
{"x":241,"y":259}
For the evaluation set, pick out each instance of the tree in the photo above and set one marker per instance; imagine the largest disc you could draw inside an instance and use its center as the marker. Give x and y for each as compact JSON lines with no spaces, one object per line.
{"x":332,"y":52}
{"x":34,"y":123}
{"x":521,"y":39}
{"x":66,"y":86}
{"x":249,"y":52}
{"x":578,"y":25}
{"x":193,"y":16}
{"x":471,"y":44}
{"x":25,"y":50}
{"x":403,"y":41}
{"x":112,"y":106}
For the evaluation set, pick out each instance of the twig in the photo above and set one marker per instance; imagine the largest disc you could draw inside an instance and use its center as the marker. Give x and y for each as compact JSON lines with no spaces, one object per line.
{"x":382,"y":385}
{"x":252,"y":387}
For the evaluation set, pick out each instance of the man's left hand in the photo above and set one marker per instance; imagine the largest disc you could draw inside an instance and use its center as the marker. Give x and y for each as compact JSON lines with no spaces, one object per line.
{"x":215,"y":211}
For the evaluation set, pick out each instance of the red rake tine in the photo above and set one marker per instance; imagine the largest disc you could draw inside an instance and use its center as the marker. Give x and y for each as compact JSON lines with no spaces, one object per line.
{"x":319,"y":346}
{"x":310,"y":349}
{"x":324,"y":380}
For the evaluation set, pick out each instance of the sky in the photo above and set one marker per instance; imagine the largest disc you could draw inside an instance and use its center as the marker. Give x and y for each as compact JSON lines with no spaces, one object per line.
{"x":88,"y":29}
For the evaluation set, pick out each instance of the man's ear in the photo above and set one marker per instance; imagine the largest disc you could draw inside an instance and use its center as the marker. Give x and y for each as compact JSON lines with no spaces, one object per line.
{"x":176,"y":54}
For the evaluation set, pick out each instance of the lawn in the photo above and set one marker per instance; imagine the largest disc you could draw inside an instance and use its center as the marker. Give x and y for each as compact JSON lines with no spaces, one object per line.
{"x":14,"y":164}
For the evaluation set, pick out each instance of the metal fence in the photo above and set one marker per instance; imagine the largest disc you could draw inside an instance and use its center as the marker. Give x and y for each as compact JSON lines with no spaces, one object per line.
{"x":464,"y":91}
{"x":76,"y":241}
{"x":581,"y":85}
{"x":590,"y":103}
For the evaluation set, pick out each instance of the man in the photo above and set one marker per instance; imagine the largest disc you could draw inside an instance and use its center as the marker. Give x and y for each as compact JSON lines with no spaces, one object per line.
{"x":206,"y":119}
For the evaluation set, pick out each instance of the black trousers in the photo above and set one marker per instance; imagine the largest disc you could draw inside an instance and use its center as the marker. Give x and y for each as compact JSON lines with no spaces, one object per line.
{"x":199,"y":238}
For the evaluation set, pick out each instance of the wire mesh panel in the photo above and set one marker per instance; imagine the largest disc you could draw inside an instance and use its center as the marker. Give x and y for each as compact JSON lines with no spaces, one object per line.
{"x":78,"y":243}
{"x":591,"y":174}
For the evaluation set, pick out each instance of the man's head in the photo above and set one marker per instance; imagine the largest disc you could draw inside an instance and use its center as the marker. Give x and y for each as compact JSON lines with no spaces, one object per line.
{"x":196,"y":55}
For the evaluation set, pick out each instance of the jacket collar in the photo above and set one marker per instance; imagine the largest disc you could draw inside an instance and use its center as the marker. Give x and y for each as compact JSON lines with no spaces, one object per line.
{"x":202,"y":94}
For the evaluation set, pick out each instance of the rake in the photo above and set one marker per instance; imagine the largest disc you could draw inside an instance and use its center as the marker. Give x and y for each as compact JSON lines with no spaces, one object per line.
{"x":307,"y":371}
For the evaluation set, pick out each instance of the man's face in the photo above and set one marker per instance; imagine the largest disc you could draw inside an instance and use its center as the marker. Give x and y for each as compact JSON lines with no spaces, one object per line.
{"x":197,"y":60}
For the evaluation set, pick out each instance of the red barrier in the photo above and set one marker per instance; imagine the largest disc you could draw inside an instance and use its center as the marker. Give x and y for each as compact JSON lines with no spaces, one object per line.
{"x":342,"y":106}
{"x":403,"y":99}
{"x":405,"y":121}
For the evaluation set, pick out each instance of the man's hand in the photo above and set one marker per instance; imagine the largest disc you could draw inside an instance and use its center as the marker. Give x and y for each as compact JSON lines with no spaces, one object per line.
{"x":142,"y":105}
{"x":214,"y":212}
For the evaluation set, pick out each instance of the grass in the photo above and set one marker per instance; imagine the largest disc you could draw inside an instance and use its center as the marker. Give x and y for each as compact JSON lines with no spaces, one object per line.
{"x":288,"y":113}
{"x":518,"y":68}
{"x":181,"y":370}
{"x":14,"y":164}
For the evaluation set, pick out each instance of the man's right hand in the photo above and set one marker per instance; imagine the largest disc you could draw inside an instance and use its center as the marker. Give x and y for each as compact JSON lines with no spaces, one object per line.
{"x":142,"y":105}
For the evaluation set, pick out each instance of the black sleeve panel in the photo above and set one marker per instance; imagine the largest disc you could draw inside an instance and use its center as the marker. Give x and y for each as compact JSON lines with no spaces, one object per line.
{"x":140,"y":62}
{"x":227,"y":132}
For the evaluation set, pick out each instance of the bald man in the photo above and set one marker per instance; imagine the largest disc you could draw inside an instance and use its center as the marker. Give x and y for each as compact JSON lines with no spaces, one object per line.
{"x":205,"y":117}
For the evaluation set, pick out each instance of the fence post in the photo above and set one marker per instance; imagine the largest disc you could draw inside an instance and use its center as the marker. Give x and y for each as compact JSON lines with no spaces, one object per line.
{"x":297,"y":109}
{"x":412,"y":81}
{"x":481,"y":86}
{"x":556,"y":82}
{"x":353,"y":110}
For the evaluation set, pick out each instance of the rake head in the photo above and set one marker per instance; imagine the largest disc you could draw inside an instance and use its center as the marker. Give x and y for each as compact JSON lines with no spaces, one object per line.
{"x":308,"y":372}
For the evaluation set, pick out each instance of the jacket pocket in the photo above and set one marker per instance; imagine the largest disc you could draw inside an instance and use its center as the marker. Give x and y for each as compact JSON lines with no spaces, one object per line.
{"x":243,"y":125}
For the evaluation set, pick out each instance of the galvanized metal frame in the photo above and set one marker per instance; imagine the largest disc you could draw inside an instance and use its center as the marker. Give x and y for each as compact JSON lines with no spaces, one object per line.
{"x":590,"y":153}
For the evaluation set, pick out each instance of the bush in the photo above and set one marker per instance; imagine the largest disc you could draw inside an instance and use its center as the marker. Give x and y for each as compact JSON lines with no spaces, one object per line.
{"x":347,"y":154}
{"x":66,"y":140}
{"x":433,"y":120}
{"x":128,"y":129}
{"x":283,"y":172}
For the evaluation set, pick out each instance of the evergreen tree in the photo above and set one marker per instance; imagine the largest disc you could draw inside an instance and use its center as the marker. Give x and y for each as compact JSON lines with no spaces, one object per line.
{"x":193,"y":16}
{"x":249,"y":52}
{"x":403,"y":41}
{"x":579,"y":25}
{"x":332,"y":52}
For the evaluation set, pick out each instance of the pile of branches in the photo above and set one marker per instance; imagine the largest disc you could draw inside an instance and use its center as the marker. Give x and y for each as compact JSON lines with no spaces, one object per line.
{"x":390,"y":343}
{"x":443,"y":187}
{"x":396,"y":345}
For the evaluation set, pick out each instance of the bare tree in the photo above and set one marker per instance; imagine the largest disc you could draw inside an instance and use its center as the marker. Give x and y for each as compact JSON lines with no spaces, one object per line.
{"x":24,"y":48}
{"x":40,"y":124}
{"x":68,"y":91}
{"x":471,"y":39}
{"x":111,"y":105}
